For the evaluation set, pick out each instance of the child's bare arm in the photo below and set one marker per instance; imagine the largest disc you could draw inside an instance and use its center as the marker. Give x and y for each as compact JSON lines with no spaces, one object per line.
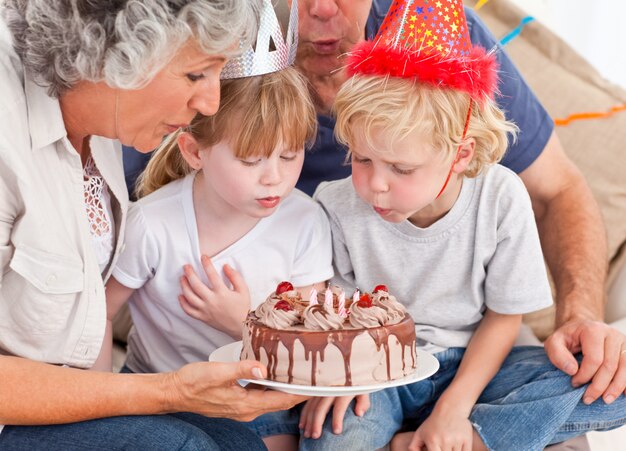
{"x":116,"y":295}
{"x":489,"y":346}
{"x":448,"y":424}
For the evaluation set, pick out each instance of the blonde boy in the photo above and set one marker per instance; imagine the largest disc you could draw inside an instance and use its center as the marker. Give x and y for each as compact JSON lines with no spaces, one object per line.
{"x":453,"y":234}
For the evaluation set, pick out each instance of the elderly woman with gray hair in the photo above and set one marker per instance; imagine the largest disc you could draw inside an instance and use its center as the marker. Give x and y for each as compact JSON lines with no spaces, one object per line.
{"x":75,"y":75}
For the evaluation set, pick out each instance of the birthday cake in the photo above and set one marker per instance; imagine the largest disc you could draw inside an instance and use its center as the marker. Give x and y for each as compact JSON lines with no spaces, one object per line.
{"x":330,"y":341}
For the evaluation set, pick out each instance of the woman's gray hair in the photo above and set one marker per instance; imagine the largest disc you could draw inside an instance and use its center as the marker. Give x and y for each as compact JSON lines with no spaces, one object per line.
{"x":121,"y":42}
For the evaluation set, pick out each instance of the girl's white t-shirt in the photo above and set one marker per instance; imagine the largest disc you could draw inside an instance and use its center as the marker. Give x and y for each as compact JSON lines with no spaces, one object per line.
{"x":294,"y":244}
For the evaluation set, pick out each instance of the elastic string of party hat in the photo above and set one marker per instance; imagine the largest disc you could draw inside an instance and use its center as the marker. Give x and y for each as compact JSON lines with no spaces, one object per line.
{"x":458,"y":150}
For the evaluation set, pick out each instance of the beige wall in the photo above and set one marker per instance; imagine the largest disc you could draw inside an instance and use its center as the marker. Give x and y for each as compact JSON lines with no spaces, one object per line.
{"x":594,"y":28}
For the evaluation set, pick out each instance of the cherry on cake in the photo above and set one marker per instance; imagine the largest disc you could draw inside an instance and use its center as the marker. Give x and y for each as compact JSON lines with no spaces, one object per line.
{"x":328,"y":340}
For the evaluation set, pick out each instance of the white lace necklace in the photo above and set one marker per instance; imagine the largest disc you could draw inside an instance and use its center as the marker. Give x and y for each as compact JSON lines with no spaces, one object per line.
{"x":98,"y":208}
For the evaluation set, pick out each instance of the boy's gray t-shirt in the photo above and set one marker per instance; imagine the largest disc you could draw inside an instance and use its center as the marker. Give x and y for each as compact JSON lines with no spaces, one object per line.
{"x":484,"y":252}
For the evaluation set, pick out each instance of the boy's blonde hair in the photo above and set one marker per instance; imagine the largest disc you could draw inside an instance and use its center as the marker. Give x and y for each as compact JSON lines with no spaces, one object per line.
{"x":255,"y":115}
{"x":398,"y":107}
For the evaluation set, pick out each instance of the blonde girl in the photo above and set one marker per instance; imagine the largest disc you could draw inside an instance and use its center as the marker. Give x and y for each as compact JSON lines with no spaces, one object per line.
{"x":218,"y":207}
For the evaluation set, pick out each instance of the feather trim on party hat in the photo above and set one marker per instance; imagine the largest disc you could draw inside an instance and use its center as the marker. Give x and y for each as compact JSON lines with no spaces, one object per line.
{"x":428,"y":41}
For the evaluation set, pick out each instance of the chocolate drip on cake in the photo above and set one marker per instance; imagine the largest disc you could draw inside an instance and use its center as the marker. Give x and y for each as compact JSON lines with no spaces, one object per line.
{"x":407,"y":339}
{"x":380,"y":335}
{"x":312,"y":348}
{"x":345,"y":346}
{"x":404,"y":333}
{"x":315,"y":343}
{"x":266,"y":338}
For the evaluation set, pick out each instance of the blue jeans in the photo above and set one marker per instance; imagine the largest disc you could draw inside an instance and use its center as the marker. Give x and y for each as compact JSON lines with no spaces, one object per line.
{"x":183,"y":431}
{"x":177,"y":431}
{"x":528,"y":405}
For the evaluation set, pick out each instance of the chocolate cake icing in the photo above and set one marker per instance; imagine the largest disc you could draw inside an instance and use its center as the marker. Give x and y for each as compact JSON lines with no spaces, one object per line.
{"x":328,"y":341}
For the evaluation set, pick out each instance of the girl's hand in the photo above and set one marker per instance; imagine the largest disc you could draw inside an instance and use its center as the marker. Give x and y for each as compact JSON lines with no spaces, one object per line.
{"x":450,"y":431}
{"x":315,"y":411}
{"x":219,"y":306}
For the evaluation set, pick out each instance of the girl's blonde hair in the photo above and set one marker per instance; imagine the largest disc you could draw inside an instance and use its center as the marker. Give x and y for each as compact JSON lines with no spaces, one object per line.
{"x":255,"y":115}
{"x":399,"y":107}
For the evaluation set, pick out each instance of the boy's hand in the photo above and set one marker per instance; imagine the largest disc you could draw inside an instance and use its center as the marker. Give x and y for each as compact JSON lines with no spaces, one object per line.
{"x":219,"y":306}
{"x":443,"y":432}
{"x":315,"y":411}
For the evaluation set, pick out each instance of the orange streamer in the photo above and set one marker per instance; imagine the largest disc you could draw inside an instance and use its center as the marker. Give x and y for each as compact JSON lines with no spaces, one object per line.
{"x":589,"y":115}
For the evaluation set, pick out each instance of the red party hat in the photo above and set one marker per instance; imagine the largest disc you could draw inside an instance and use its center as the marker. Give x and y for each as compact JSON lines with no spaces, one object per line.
{"x":428,"y":40}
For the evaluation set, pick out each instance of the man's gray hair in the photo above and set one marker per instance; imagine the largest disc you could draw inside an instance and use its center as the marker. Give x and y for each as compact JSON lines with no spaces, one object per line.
{"x":121,"y":42}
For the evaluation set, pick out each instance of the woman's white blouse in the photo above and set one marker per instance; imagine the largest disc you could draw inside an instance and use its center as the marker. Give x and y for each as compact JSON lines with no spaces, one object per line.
{"x":52,"y":303}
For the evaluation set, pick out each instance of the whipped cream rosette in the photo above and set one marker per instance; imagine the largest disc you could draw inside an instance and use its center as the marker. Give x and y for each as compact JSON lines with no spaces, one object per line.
{"x":278,"y":309}
{"x":281,"y":316}
{"x":365,"y":314}
{"x":395,"y":311}
{"x":268,"y":304}
{"x":321,"y":317}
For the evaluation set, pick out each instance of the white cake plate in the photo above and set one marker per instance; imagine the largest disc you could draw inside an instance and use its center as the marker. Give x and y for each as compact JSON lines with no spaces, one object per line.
{"x":426,"y":367}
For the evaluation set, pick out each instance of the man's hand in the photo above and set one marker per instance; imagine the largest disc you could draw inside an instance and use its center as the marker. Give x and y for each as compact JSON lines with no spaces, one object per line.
{"x":211,"y":389}
{"x":219,"y":306}
{"x":604,"y":357}
{"x":315,"y":411}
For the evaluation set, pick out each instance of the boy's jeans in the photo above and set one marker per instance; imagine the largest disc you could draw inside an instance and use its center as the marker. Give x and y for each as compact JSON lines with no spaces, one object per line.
{"x":528,"y":405}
